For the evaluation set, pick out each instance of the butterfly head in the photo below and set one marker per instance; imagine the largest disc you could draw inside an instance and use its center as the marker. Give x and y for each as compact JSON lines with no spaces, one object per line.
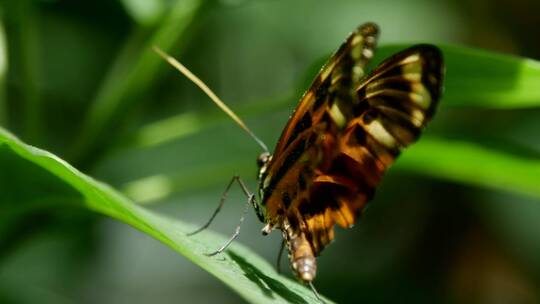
{"x":263,"y":160}
{"x":262,"y":163}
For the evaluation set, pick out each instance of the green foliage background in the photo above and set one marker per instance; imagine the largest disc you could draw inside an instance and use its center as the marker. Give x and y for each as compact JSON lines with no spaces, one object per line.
{"x":456,"y":220}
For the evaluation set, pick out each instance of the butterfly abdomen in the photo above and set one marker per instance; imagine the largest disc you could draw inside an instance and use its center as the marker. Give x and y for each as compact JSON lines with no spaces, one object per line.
{"x":303,"y":261}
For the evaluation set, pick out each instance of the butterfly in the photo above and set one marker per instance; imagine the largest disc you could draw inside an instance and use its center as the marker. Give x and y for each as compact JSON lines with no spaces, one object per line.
{"x":345,"y":132}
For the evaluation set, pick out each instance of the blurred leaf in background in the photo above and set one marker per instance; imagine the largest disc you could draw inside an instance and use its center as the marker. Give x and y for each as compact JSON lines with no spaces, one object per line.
{"x":455,"y":221}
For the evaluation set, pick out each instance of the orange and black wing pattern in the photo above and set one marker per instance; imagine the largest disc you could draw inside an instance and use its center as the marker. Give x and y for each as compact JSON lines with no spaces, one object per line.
{"x":348,"y":128}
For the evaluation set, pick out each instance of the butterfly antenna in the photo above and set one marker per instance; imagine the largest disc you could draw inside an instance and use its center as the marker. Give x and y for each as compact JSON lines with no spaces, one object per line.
{"x":180,"y":67}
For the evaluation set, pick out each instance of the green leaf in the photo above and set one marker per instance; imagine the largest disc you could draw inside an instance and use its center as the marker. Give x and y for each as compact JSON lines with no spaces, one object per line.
{"x":238,"y":267}
{"x":470,"y":163}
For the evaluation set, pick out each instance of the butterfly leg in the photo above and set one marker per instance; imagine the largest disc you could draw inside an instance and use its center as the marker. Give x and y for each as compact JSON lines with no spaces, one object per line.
{"x":222,"y":201}
{"x":236,"y":231}
{"x":280,"y":253}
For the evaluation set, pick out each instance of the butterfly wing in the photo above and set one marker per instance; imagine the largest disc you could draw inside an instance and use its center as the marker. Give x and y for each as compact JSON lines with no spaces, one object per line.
{"x":336,"y":79}
{"x":347,"y":129}
{"x":339,"y":75}
{"x":394,"y":103}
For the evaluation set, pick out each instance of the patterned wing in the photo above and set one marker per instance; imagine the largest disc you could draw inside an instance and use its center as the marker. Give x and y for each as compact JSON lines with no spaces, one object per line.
{"x":346,"y":131}
{"x":299,"y":147}
{"x":394,"y":103}
{"x":337,"y":79}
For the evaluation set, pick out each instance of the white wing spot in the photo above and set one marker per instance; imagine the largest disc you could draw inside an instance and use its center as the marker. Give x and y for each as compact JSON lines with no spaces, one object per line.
{"x":420,"y":96}
{"x":356,"y":52}
{"x":377,"y":130}
{"x":327,"y":70}
{"x":410,"y":59}
{"x":357,"y":73}
{"x":337,"y":115}
{"x":412,"y":77}
{"x":417,"y":118}
{"x":356,"y":39}
{"x":368,"y":53}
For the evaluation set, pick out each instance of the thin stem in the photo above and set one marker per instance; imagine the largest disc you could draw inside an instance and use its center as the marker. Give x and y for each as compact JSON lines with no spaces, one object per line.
{"x":3,"y":75}
{"x":22,"y":31}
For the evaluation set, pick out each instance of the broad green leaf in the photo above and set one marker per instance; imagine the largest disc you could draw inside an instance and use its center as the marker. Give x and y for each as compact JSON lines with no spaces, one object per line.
{"x":238,"y":267}
{"x":470,"y":163}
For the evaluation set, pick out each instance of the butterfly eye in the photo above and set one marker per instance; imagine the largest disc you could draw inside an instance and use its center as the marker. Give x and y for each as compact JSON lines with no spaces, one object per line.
{"x":263,"y":159}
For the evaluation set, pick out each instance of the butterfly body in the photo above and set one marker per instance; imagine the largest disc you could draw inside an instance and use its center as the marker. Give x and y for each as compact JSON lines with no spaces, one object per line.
{"x":346,"y":131}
